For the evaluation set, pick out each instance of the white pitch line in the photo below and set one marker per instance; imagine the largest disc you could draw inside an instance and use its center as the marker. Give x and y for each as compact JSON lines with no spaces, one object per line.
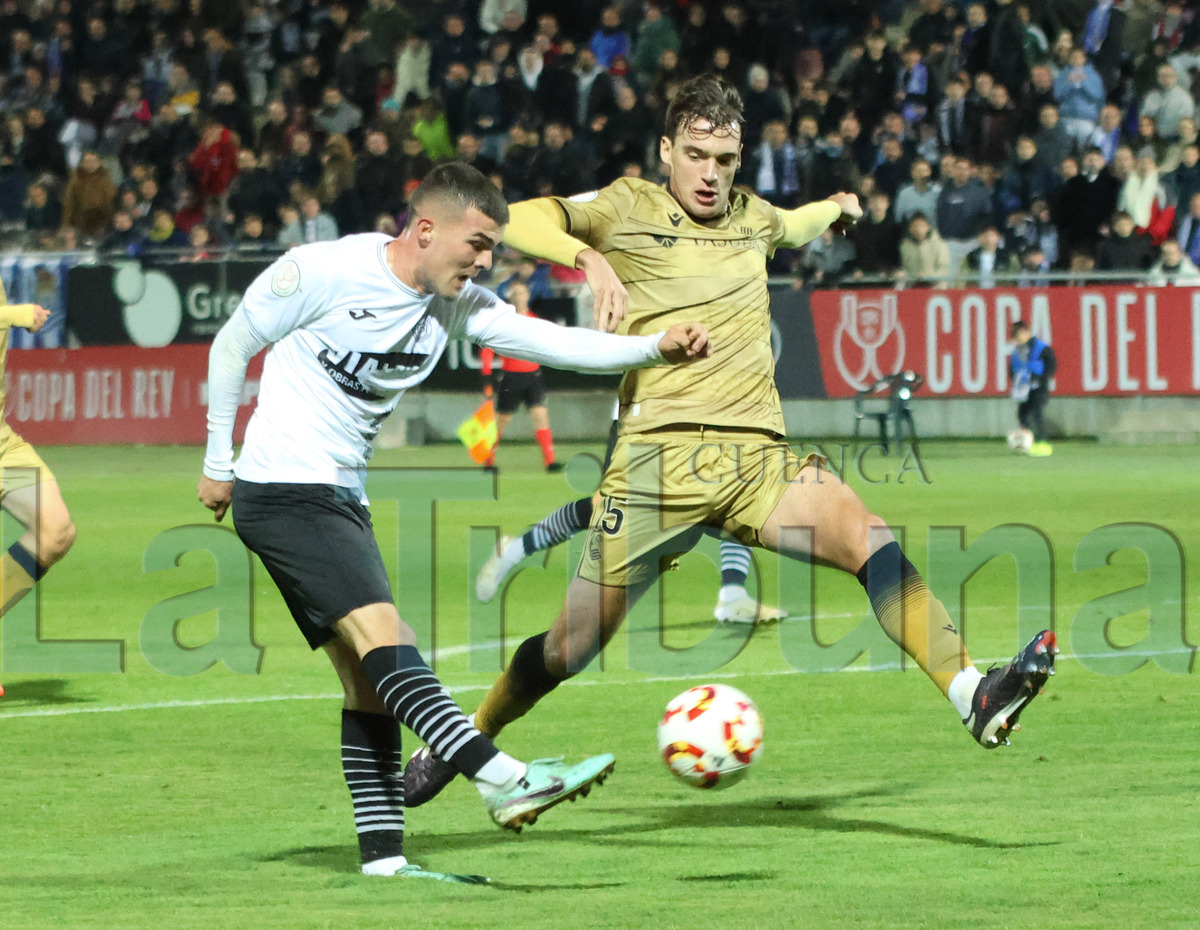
{"x":461,"y":689}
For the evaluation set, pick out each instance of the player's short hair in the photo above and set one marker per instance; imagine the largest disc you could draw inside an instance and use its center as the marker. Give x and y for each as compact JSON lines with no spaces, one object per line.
{"x":1020,"y":326}
{"x":463,"y":186}
{"x":705,"y":97}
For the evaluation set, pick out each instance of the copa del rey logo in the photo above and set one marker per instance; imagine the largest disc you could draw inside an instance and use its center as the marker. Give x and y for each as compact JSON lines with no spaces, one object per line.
{"x":869,"y":342}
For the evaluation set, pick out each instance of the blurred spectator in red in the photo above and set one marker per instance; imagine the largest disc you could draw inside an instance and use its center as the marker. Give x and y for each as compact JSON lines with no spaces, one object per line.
{"x":213,"y":163}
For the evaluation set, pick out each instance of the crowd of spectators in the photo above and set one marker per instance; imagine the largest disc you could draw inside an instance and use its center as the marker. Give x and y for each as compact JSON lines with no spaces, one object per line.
{"x":1009,"y":137}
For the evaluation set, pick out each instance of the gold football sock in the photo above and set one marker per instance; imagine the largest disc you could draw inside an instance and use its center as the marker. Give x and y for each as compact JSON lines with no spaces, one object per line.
{"x":912,"y":617}
{"x":19,"y":572}
{"x":525,"y":682}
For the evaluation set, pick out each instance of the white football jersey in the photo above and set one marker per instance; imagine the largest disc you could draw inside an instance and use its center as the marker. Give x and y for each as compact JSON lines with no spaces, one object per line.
{"x":349,"y":339}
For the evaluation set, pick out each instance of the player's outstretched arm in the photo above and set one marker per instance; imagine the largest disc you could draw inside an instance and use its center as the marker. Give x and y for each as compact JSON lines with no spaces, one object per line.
{"x":525,"y":337}
{"x":538,"y":228}
{"x":231,"y":352}
{"x":806,"y":223}
{"x":28,"y":316}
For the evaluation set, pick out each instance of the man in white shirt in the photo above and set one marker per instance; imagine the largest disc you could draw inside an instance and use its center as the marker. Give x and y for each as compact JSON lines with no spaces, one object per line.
{"x":353,"y":324}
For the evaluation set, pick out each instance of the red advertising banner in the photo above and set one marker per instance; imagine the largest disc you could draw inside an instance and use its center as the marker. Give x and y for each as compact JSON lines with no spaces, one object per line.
{"x":119,"y":394}
{"x":1118,"y":340}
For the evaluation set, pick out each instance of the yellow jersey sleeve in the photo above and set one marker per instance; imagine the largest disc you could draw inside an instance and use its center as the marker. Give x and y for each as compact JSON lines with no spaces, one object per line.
{"x":592,"y":218}
{"x":14,"y":314}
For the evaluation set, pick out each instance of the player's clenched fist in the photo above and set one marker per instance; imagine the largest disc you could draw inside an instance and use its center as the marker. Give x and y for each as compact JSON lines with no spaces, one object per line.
{"x":40,"y":316}
{"x":215,"y":495}
{"x":684,"y":341}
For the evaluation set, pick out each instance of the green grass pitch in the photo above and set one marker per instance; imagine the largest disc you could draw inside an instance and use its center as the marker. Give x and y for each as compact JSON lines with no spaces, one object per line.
{"x":215,"y":800}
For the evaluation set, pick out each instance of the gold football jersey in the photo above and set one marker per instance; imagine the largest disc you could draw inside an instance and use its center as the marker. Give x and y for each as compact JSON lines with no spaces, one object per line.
{"x":10,"y":316}
{"x":677,"y":270}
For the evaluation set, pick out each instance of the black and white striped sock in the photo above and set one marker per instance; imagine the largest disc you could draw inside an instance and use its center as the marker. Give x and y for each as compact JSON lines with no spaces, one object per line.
{"x":374,"y":770}
{"x":410,"y":690}
{"x":560,"y":526}
{"x":735,"y":564}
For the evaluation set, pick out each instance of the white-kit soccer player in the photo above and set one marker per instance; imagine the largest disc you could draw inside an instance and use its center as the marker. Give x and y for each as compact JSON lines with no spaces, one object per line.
{"x":354,"y":323}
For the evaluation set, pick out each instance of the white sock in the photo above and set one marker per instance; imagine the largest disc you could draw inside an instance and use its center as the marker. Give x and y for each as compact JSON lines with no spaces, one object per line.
{"x":514,"y":553}
{"x":388,"y":866}
{"x":732,"y":592}
{"x":962,"y":690}
{"x":499,"y":773}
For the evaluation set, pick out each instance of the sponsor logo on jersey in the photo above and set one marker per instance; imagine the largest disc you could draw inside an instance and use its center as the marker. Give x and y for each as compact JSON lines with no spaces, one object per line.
{"x":675,"y":218}
{"x":665,"y":241}
{"x":361,"y":314}
{"x":353,"y":371}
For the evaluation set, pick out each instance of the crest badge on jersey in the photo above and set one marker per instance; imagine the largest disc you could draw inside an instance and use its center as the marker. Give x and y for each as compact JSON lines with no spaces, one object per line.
{"x":286,"y":279}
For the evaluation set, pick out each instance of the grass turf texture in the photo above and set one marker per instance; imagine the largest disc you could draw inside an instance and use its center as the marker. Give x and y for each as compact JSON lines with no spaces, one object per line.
{"x":870,"y":806}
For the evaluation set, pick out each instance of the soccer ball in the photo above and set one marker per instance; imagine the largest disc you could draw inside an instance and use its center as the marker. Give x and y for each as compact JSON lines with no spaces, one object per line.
{"x":710,"y":735}
{"x":1020,"y":441}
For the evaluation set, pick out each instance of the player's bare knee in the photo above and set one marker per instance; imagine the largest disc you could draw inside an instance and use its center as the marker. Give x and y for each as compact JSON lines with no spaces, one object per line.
{"x":862,"y":533}
{"x":55,"y":540}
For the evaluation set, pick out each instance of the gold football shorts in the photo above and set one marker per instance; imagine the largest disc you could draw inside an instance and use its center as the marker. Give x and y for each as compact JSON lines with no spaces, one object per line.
{"x":20,"y":465}
{"x":665,"y":488}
